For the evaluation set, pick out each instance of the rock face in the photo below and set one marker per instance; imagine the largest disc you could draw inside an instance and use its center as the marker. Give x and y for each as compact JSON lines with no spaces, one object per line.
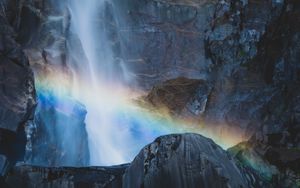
{"x":187,"y":160}
{"x":17,"y":96}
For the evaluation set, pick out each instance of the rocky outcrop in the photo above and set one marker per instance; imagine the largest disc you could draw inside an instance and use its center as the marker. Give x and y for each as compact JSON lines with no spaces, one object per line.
{"x":187,"y":160}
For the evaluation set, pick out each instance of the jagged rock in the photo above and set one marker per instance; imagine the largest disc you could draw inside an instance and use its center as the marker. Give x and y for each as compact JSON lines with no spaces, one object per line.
{"x":65,"y":177}
{"x":187,"y":160}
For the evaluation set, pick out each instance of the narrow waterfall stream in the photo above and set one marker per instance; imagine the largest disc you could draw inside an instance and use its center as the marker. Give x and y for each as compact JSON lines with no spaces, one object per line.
{"x":102,"y":95}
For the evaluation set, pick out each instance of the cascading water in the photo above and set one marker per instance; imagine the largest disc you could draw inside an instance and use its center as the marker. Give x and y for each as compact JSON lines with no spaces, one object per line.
{"x":101,"y":97}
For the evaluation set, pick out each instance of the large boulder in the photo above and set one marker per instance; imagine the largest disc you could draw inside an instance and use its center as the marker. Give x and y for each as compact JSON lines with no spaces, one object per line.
{"x":187,"y":160}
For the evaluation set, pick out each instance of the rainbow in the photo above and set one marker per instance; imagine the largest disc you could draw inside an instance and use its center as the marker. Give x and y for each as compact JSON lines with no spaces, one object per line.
{"x":132,"y":123}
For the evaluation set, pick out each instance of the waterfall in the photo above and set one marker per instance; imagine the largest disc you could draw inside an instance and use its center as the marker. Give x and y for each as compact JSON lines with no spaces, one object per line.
{"x":100,"y":96}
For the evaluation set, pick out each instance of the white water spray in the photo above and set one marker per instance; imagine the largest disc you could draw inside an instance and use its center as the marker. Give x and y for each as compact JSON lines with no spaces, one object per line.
{"x":101,"y":97}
